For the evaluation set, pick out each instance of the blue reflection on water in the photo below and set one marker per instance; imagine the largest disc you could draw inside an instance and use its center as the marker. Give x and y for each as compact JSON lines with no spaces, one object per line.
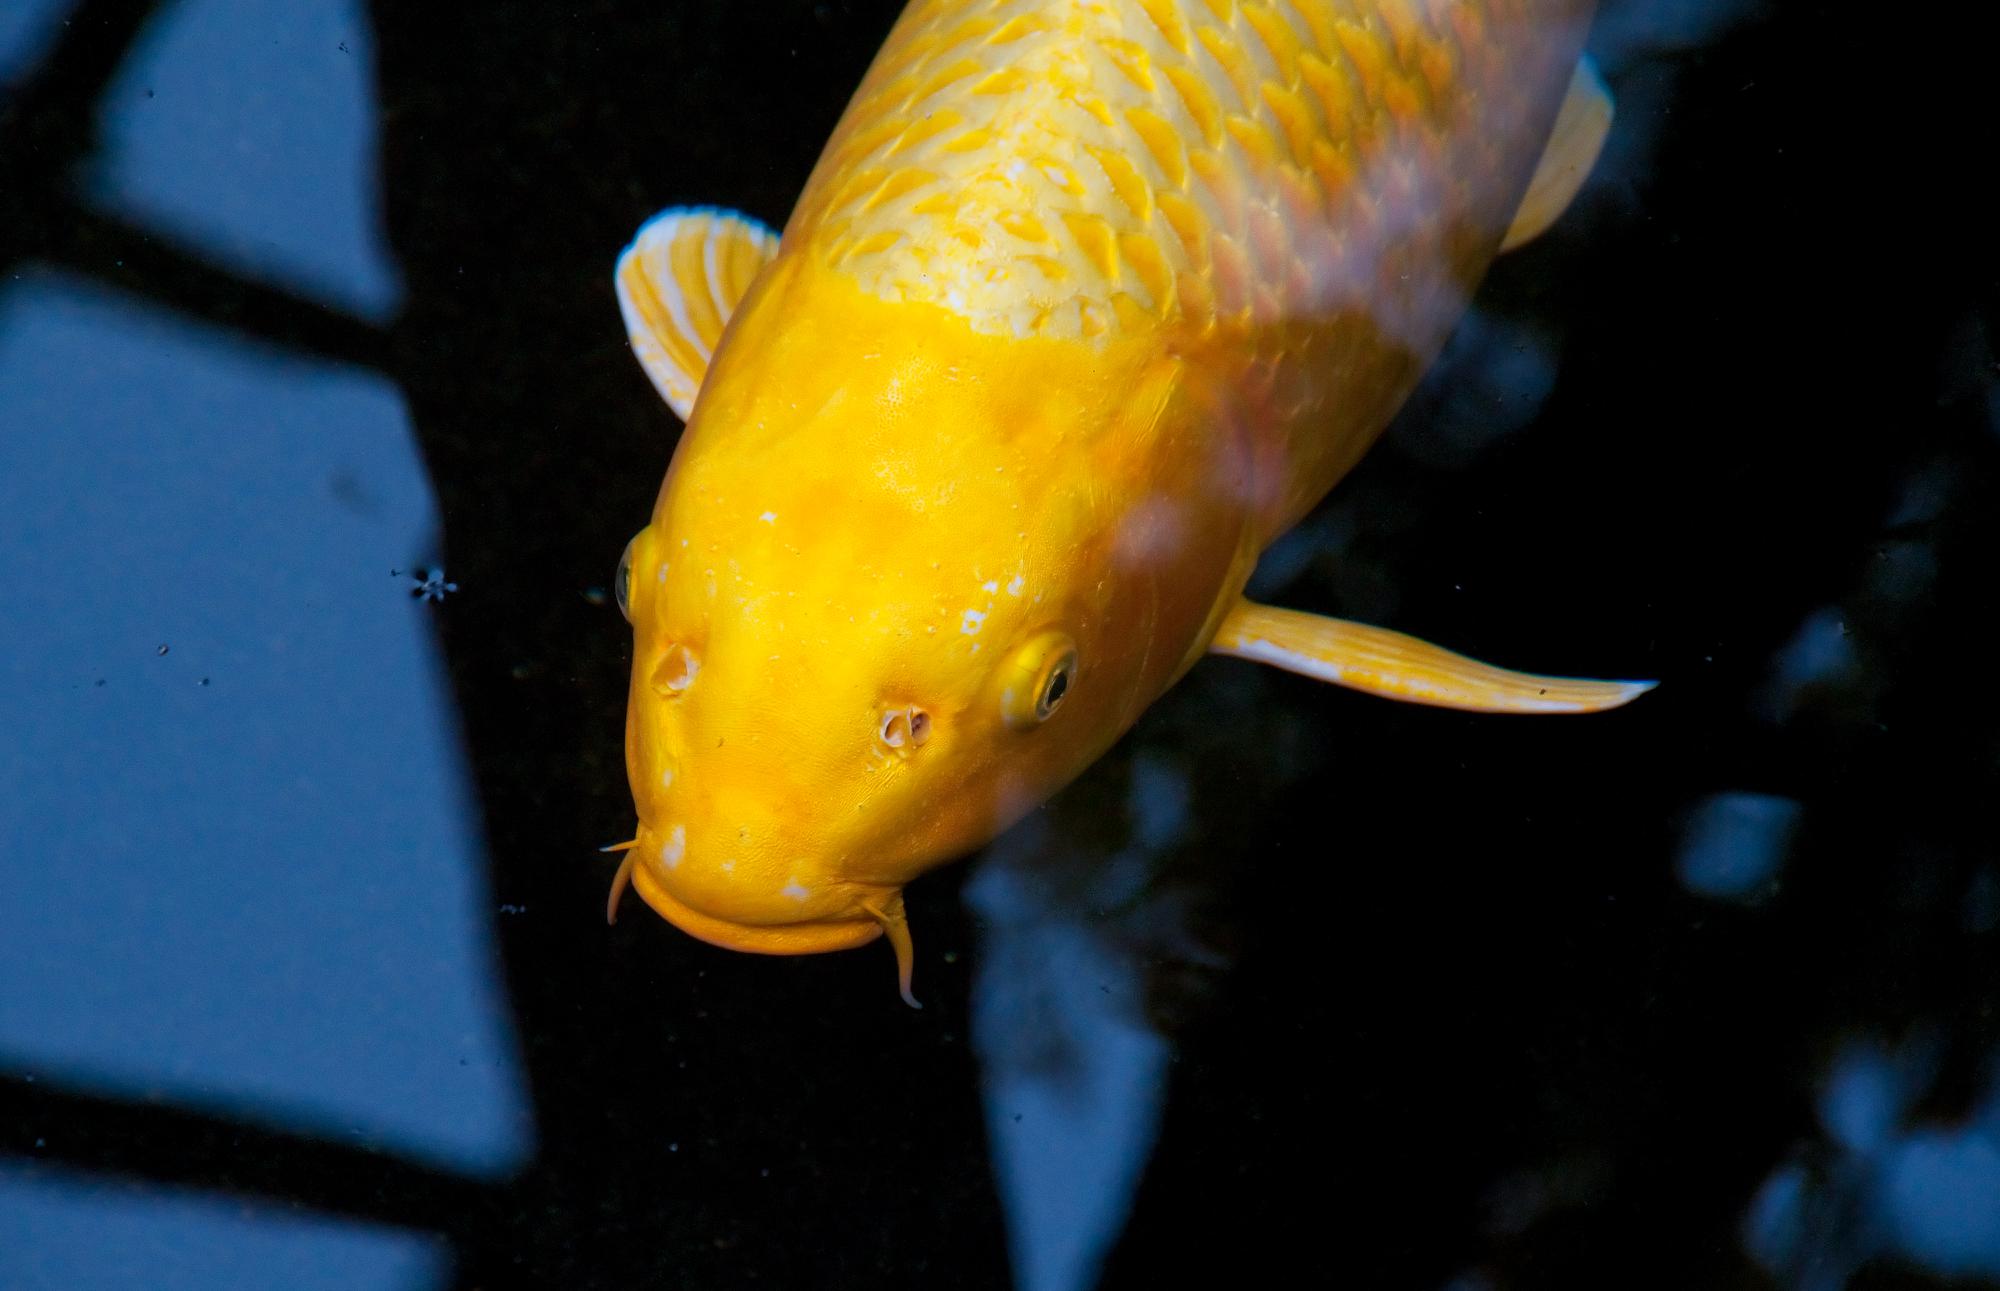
{"x":1942,"y":1194}
{"x":1073,"y":1070}
{"x":247,"y":128}
{"x":26,"y":29}
{"x":63,"y":1232}
{"x":1735,"y":844}
{"x":1635,"y":29}
{"x":242,"y":860}
{"x":1927,"y":1193}
{"x":1073,"y":1079}
{"x":1492,"y":379}
{"x":1820,"y":654}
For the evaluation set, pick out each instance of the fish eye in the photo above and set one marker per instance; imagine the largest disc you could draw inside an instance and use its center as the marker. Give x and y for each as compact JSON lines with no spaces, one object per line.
{"x":1039,"y":677}
{"x":622,"y":585}
{"x":1055,"y":688}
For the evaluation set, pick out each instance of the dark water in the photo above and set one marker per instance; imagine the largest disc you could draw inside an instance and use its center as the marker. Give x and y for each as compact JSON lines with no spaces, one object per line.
{"x":303,"y":974}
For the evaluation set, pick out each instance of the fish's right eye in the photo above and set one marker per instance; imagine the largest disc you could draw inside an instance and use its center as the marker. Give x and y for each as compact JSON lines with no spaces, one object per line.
{"x":1039,"y":675}
{"x":622,"y":584}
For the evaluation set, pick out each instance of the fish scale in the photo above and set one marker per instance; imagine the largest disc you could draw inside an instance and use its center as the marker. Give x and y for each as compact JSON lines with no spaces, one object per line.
{"x":1086,"y":302}
{"x":1074,"y":167}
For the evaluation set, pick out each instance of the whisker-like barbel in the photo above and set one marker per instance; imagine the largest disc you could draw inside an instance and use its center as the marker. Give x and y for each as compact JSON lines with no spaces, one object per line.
{"x":1083,"y":307}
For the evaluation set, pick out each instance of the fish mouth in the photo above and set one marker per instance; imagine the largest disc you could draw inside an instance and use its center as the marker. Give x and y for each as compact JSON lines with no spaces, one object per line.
{"x":810,"y":937}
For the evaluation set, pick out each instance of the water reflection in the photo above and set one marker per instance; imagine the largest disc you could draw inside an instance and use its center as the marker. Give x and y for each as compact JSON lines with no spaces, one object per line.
{"x":27,"y":29}
{"x":1885,"y":1182}
{"x":243,"y":865}
{"x":67,"y":1232}
{"x":246,"y":130}
{"x":1104,"y":929}
{"x":1072,"y":1077}
{"x":1735,"y":844}
{"x":263,"y":896}
{"x":1492,"y":380}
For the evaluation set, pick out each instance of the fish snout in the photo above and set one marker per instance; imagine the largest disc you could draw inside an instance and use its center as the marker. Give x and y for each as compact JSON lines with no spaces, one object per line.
{"x":713,"y":887}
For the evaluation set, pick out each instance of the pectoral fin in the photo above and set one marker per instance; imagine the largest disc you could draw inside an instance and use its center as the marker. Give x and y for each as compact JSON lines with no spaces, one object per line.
{"x":1395,"y":666}
{"x":677,"y":285}
{"x":1566,"y":160}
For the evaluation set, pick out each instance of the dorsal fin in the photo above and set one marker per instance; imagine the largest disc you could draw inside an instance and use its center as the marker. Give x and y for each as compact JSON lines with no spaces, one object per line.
{"x":1566,"y":161}
{"x":677,"y":285}
{"x":1395,"y":666}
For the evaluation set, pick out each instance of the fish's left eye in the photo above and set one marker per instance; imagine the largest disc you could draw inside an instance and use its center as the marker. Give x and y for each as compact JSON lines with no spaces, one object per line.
{"x":622,"y":585}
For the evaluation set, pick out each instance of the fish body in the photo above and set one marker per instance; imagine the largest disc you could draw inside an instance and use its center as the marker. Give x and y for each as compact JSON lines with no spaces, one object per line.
{"x":1085,"y":303}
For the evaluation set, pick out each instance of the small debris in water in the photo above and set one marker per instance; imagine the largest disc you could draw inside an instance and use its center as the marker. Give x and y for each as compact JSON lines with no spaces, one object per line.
{"x":595,"y":595}
{"x":430,"y":585}
{"x":161,"y":650}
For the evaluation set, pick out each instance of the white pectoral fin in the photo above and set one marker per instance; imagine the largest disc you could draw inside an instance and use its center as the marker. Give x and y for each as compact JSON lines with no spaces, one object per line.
{"x":1395,"y":666}
{"x":1572,"y":150}
{"x":677,"y":285}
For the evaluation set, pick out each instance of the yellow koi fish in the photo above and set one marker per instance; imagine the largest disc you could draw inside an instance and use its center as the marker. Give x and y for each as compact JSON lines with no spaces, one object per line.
{"x":1086,"y":302}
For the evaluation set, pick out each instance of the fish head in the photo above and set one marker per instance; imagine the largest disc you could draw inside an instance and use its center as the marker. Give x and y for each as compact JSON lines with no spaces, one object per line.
{"x":903,"y":581}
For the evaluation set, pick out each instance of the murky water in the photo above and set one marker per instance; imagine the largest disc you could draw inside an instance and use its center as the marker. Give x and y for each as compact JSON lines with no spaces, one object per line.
{"x":304,"y":978}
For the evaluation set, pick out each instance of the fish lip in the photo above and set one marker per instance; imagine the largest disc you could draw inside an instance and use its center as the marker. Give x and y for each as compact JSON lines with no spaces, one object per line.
{"x":811,"y":937}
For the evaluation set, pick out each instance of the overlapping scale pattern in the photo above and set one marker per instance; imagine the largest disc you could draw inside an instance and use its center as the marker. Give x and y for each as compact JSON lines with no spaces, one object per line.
{"x":1069,"y":168}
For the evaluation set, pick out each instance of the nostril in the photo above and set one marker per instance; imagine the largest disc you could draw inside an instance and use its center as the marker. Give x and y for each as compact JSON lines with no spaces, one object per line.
{"x":676,"y":671}
{"x":904,"y":729}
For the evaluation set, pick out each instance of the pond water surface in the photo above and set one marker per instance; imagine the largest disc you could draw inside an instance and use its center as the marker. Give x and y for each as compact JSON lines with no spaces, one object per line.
{"x":304,"y":976}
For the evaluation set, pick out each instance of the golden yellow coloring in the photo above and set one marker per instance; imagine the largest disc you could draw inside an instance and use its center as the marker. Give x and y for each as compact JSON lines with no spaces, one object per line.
{"x":1085,"y":303}
{"x":1061,"y":169}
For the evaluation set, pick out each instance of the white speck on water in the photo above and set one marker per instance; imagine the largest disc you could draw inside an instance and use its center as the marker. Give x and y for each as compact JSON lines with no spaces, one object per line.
{"x":972,"y":622}
{"x":674,"y":848}
{"x":1014,"y":587}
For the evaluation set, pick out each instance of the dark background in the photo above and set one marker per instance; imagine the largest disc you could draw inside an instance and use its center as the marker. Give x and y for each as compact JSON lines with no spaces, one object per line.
{"x":1451,"y":1001}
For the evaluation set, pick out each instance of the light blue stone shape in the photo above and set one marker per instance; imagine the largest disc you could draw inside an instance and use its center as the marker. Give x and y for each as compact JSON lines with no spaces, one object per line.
{"x":61,"y":1231}
{"x":1863,"y":1099}
{"x":1943,"y":1199}
{"x":246,"y":130}
{"x":247,"y":873}
{"x":1735,"y":844}
{"x":27,"y":29}
{"x":1072,"y":1080}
